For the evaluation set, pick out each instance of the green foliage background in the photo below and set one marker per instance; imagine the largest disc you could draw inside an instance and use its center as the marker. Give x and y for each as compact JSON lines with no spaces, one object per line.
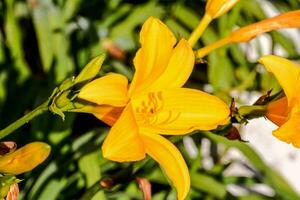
{"x":43,"y":42}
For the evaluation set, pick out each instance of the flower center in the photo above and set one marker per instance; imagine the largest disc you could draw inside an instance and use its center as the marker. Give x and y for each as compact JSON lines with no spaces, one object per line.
{"x":150,"y":109}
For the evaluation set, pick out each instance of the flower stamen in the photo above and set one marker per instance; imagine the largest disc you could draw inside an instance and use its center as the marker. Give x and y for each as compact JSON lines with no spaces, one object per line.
{"x":151,"y":110}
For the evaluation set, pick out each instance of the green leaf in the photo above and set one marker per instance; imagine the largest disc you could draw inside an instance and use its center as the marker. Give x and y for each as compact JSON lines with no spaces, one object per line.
{"x":123,"y":33}
{"x":70,"y":8}
{"x":53,"y":188}
{"x":99,"y":196}
{"x":41,"y":16}
{"x":64,"y":65}
{"x":268,"y":82}
{"x":285,"y":42}
{"x":3,"y":92}
{"x":2,"y":52}
{"x":255,"y":197}
{"x":177,"y":28}
{"x":208,"y":184}
{"x":42,"y":179}
{"x":52,"y":40}
{"x":89,"y":166}
{"x":186,"y":15}
{"x":220,"y":71}
{"x":5,"y":183}
{"x":14,"y":41}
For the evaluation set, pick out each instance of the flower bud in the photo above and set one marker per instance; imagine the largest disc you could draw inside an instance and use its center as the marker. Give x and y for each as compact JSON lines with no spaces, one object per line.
{"x":216,"y":8}
{"x":91,"y":69}
{"x":285,"y":20}
{"x":107,"y":183}
{"x":7,"y":147}
{"x":13,"y":193}
{"x":114,"y":50}
{"x":25,"y":158}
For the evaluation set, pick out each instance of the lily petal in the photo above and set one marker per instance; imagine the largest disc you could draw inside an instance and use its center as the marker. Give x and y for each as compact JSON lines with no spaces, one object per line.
{"x":157,"y":43}
{"x":277,"y":111}
{"x":290,"y":131}
{"x":110,"y":89}
{"x":123,"y":143}
{"x":178,"y":69}
{"x":108,"y":114}
{"x":179,"y":111}
{"x":170,"y":160}
{"x":287,"y":73}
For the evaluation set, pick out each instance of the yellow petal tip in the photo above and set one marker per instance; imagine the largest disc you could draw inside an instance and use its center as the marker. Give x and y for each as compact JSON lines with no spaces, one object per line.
{"x":264,"y":59}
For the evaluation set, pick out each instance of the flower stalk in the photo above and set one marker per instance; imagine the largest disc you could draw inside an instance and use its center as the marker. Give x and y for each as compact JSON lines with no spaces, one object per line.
{"x":25,"y":119}
{"x":197,"y":33}
{"x":213,"y":10}
{"x":252,"y":112}
{"x":61,"y":99}
{"x":207,"y":49}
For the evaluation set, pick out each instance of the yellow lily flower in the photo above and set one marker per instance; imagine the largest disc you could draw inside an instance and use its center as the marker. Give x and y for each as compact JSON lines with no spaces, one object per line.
{"x":285,"y":112}
{"x":244,"y":34}
{"x":24,"y":159}
{"x":155,"y":104}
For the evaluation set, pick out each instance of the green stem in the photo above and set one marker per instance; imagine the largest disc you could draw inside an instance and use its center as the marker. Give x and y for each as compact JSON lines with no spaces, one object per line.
{"x":200,"y":53}
{"x":251,"y":112}
{"x":23,"y":120}
{"x":197,"y":33}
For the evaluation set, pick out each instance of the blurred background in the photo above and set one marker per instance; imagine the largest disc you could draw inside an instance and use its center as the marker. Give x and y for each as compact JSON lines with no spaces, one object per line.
{"x":43,"y":42}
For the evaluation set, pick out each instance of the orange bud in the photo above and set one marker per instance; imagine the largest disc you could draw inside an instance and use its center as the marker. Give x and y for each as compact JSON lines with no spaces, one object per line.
{"x":277,"y":111}
{"x":13,"y":193}
{"x":107,"y":183}
{"x":113,"y":49}
{"x":244,"y":34}
{"x":7,"y":147}
{"x":286,"y":20}
{"x":25,"y":158}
